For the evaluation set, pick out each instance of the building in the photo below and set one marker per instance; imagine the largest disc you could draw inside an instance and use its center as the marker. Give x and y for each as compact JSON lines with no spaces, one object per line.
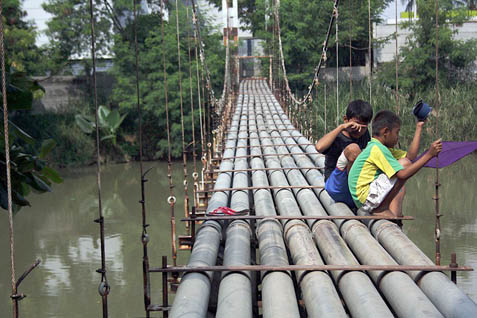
{"x":387,"y":51}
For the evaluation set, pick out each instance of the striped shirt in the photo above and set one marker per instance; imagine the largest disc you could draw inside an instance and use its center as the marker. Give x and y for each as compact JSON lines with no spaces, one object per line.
{"x":374,"y":160}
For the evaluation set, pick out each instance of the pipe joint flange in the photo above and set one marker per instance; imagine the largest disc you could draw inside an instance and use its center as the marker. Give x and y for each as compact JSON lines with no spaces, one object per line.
{"x":171,"y":200}
{"x":265,"y":273}
{"x":293,"y":223}
{"x":381,"y":226}
{"x":347,"y":226}
{"x":240,"y":223}
{"x":382,"y":274}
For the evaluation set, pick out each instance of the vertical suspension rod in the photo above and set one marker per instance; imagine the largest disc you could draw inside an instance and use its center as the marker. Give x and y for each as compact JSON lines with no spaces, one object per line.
{"x":184,"y":154}
{"x":104,"y":287}
{"x":8,"y":171}
{"x":171,"y":200}
{"x":437,"y":184}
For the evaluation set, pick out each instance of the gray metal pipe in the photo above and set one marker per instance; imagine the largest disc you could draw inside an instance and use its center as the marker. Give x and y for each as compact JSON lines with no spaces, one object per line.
{"x":355,"y":286}
{"x":193,"y":294}
{"x":235,"y":290}
{"x":450,"y":300}
{"x":278,"y":292}
{"x":296,"y":240}
{"x":446,"y":296}
{"x":399,"y":289}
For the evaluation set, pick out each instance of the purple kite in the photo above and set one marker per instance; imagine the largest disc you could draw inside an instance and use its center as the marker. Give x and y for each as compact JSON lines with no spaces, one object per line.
{"x":451,"y":152}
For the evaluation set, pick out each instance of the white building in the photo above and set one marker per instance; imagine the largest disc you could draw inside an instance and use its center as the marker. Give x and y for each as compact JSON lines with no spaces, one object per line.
{"x":387,"y":51}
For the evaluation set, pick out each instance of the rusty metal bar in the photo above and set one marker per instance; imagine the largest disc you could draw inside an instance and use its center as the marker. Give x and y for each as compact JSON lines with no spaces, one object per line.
{"x":261,"y":137}
{"x":453,"y":264}
{"x":165,"y":295}
{"x":264,"y":146}
{"x":268,"y":169}
{"x":260,"y":188}
{"x":27,"y":272}
{"x":253,"y":57}
{"x":271,"y":155}
{"x":302,"y":217}
{"x":198,"y":269}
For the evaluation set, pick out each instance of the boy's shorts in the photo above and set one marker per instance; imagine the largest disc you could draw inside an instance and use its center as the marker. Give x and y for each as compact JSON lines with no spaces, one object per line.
{"x":337,"y":183}
{"x":378,"y":190}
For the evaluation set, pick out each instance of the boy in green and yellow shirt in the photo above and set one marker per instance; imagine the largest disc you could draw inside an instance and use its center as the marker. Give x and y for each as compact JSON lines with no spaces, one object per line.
{"x":376,"y":179}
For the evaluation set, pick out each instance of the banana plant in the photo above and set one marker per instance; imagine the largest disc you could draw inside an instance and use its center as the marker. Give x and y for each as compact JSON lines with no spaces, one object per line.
{"x":29,"y":169}
{"x":109,"y":121}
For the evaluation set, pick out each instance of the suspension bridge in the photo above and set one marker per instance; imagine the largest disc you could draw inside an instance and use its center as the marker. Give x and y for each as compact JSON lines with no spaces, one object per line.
{"x":265,"y":238}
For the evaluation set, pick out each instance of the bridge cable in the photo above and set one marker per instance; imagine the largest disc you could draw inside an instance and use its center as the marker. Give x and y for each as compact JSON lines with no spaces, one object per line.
{"x":14,"y":295}
{"x":194,"y":153}
{"x":171,"y":200}
{"x":144,"y":234}
{"x":397,"y":60}
{"x":218,"y":105}
{"x":369,"y":52}
{"x":350,"y":53}
{"x":337,"y":73}
{"x":184,"y":154}
{"x":437,"y":106}
{"x":104,"y":286}
{"x":317,"y":68}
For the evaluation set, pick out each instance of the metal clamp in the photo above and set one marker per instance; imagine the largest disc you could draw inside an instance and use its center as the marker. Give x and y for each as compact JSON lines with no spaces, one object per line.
{"x":171,"y":200}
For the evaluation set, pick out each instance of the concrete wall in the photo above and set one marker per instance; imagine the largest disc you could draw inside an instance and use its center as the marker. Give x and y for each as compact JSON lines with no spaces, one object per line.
{"x":66,"y":93}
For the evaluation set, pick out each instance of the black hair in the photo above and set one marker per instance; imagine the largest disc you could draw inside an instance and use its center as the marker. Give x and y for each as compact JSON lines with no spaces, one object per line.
{"x":359,"y":109}
{"x":385,"y":119}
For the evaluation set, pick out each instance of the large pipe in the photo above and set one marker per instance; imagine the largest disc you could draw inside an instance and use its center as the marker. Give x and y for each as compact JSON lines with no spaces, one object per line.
{"x":192,"y":296}
{"x":278,"y":292}
{"x":401,"y":292}
{"x":235,"y":291}
{"x":299,"y":239}
{"x":355,"y":286}
{"x":449,"y":299}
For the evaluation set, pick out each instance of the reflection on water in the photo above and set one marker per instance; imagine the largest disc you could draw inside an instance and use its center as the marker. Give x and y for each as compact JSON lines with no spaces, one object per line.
{"x":59,"y":230}
{"x":459,"y":222}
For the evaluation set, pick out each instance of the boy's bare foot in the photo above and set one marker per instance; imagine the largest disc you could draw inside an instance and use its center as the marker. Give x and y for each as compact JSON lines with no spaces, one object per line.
{"x":386,"y":213}
{"x":389,"y":213}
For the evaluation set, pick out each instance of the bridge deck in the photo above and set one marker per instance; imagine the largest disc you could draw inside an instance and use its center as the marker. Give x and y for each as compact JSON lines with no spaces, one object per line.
{"x":262,"y":174}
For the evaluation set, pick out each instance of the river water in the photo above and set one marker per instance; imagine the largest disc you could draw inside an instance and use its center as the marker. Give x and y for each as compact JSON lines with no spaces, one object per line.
{"x":59,"y":230}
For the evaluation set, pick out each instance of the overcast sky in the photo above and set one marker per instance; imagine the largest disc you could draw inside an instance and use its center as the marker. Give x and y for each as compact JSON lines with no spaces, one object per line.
{"x":40,"y":17}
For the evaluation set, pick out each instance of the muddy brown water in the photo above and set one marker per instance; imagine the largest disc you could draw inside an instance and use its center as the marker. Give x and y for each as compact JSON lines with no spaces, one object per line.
{"x":59,"y":230}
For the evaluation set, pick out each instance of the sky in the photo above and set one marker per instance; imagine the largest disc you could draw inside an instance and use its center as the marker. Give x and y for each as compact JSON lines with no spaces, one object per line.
{"x":36,"y":13}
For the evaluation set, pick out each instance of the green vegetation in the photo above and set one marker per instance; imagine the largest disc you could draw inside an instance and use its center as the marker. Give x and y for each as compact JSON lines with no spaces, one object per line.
{"x":456,"y":114}
{"x":417,"y":77}
{"x":303,"y":30}
{"x":28,"y":168}
{"x":109,"y":121}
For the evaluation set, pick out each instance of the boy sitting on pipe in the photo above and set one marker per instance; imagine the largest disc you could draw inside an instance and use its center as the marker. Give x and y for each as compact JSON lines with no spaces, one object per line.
{"x":376,"y":179}
{"x":341,"y":146}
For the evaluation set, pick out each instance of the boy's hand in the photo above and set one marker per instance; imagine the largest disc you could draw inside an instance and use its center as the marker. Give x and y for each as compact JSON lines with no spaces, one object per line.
{"x":435,"y":148}
{"x":353,"y":125}
{"x":420,"y":124}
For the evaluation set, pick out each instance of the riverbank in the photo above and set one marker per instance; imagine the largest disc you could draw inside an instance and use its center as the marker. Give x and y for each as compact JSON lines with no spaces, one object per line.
{"x":457,"y":122}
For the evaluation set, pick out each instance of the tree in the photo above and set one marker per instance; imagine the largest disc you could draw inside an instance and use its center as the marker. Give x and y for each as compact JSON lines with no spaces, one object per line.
{"x":417,"y":65}
{"x":29,"y":170}
{"x":151,"y":45}
{"x":19,"y":37}
{"x":69,"y":32}
{"x":303,"y":30}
